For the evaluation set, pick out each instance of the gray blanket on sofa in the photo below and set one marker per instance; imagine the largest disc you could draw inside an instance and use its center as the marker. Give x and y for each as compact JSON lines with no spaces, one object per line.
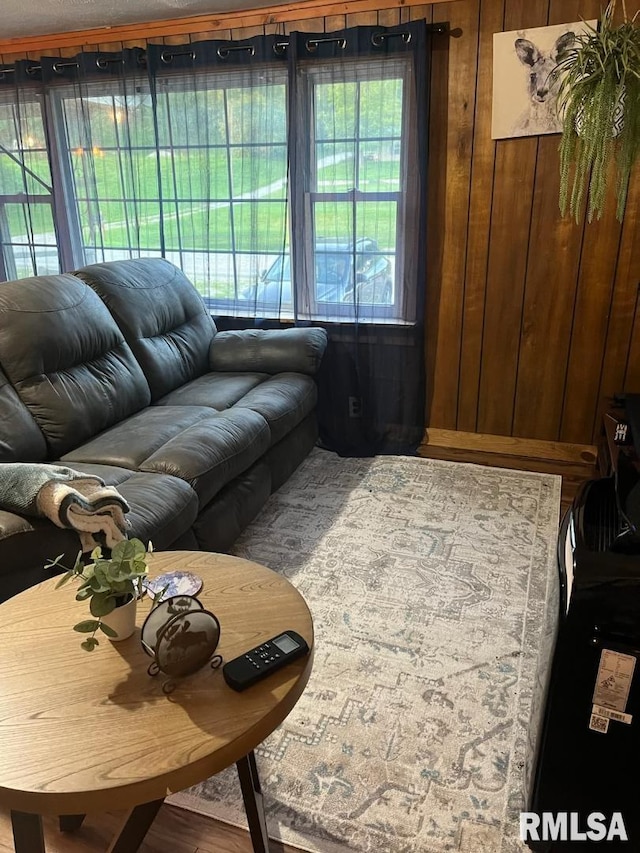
{"x":66,"y":497}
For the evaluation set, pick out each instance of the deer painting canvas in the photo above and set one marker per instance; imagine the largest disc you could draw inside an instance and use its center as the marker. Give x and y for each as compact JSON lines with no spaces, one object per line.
{"x":524,"y":92}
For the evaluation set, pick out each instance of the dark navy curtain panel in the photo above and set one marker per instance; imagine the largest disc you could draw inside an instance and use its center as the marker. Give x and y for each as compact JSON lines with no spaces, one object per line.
{"x":372,"y":385}
{"x":285,"y":175}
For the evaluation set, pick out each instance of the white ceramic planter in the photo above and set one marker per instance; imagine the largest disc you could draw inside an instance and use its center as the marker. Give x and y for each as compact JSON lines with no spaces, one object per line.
{"x":617,"y":120}
{"x":122,"y":620}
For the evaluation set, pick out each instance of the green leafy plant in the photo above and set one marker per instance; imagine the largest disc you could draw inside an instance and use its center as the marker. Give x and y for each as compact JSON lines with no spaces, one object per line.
{"x":598,"y":76}
{"x":106,"y":582}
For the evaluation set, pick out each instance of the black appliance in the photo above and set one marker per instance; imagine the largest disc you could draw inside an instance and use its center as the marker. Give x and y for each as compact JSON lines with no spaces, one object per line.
{"x":584,"y":735}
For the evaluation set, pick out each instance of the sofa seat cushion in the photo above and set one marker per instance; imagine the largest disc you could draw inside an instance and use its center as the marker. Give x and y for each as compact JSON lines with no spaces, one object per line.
{"x":203,"y":447}
{"x":217,"y":390}
{"x":162,"y":510}
{"x":283,"y":401}
{"x":162,"y":507}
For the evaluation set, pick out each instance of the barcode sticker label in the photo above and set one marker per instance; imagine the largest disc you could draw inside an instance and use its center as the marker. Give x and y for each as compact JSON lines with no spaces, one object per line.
{"x":599,"y":724}
{"x":613,"y":681}
{"x":599,"y":711}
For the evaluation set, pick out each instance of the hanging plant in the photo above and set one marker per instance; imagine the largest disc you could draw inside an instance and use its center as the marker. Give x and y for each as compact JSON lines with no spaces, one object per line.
{"x":599,"y":101}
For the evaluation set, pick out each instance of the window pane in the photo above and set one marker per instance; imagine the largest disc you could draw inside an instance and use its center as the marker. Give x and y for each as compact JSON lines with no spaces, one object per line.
{"x":376,"y":122}
{"x":257,"y":114}
{"x":198,"y":173}
{"x":336,"y":110}
{"x":199,"y":226}
{"x":380,"y":170}
{"x":27,"y":233}
{"x":28,"y":240}
{"x":368,"y":260}
{"x":259,"y":226}
{"x":259,"y":172}
{"x":191,"y":118}
{"x":335,"y":166}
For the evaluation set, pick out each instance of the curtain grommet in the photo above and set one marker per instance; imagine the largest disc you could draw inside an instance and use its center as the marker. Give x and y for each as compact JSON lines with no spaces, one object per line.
{"x":102,"y":64}
{"x":377,"y":39}
{"x":59,"y":67}
{"x":312,"y":44}
{"x":223,"y":52}
{"x":167,"y":57}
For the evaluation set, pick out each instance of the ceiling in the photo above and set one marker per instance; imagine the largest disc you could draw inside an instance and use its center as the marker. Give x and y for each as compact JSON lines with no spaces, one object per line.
{"x":22,"y":18}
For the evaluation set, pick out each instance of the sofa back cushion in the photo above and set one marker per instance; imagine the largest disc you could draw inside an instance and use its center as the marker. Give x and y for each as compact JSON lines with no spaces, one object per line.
{"x":67,"y":359}
{"x":162,"y":316}
{"x":20,"y":437}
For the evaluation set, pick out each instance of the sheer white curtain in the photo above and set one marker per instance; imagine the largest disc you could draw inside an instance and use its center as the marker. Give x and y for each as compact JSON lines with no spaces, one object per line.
{"x":221,"y":116}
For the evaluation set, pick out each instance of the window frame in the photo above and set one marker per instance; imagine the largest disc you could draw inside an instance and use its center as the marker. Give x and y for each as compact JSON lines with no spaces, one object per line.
{"x":300,"y":198}
{"x":358,"y":70}
{"x":8,"y":268}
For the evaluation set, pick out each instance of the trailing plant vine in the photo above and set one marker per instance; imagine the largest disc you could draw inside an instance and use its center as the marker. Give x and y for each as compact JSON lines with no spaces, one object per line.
{"x":599,"y":100}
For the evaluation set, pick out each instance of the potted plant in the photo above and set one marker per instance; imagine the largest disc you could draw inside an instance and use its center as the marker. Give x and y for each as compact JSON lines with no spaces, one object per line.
{"x":112,"y":585}
{"x":599,"y":100}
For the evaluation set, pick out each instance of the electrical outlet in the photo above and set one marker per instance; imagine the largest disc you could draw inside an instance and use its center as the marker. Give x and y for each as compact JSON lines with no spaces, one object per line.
{"x":355,"y":407}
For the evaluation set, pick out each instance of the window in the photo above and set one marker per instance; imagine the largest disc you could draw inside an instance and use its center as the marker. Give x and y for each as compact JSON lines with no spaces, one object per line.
{"x":281,"y":185}
{"x":108,"y":152}
{"x":352,"y":177}
{"x":355,"y":188}
{"x":27,"y":232}
{"x":222,"y":143}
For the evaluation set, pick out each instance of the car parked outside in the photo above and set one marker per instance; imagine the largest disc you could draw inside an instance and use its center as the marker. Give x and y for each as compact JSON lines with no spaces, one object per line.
{"x":335,"y":265}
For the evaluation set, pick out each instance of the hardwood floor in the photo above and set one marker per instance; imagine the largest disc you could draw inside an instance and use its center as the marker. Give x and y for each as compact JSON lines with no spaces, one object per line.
{"x":173,"y":831}
{"x":574,"y":463}
{"x":179,"y":831}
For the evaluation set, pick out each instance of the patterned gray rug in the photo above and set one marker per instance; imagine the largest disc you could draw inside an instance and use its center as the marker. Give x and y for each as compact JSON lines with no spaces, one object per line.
{"x":427,"y":581}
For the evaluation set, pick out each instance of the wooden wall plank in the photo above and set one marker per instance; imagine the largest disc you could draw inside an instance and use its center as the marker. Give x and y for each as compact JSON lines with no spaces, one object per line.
{"x":622,"y":335}
{"x":482,"y":174}
{"x":553,"y":291}
{"x":436,"y":203}
{"x":508,"y":251}
{"x":550,"y":287}
{"x":550,"y":290}
{"x":632,"y":373}
{"x":338,"y":22}
{"x":506,"y":269}
{"x":462,"y":65}
{"x":590,"y":321}
{"x":416,"y":13}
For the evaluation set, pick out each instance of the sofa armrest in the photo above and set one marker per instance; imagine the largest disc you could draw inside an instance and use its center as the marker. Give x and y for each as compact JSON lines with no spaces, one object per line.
{"x":296,"y":350}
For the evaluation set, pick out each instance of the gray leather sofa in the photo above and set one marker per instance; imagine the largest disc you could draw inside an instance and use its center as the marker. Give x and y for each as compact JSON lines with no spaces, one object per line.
{"x":118,"y":371}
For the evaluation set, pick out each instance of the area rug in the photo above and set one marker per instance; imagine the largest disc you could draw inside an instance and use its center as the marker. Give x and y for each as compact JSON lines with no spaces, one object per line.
{"x":428,"y":583}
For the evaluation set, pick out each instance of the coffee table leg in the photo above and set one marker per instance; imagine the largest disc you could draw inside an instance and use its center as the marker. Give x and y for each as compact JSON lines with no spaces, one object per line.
{"x":27,"y":832}
{"x":70,"y":822}
{"x":134,"y":827}
{"x":253,"y":802}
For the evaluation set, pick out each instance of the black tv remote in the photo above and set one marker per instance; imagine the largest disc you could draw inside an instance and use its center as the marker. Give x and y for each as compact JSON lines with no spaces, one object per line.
{"x":247,"y":669}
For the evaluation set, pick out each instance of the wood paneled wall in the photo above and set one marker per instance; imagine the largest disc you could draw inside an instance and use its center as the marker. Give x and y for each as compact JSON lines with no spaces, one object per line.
{"x":533,"y":321}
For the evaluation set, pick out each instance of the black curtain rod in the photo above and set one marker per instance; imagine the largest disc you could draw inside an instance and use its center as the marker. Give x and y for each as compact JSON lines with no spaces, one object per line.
{"x":223,"y":52}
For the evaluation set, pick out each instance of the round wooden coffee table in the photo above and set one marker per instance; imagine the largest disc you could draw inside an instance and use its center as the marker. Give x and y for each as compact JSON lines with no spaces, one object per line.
{"x":93,"y":732}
